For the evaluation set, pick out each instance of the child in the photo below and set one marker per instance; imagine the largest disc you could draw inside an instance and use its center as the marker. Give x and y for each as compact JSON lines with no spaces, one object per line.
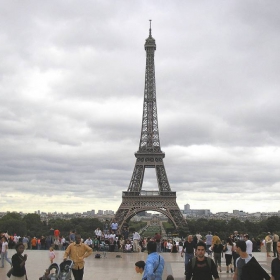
{"x":46,"y":275}
{"x":51,"y":254}
{"x":139,"y":267}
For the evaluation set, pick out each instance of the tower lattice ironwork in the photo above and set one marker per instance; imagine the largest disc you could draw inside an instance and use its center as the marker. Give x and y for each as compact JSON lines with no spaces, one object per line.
{"x":149,"y":155}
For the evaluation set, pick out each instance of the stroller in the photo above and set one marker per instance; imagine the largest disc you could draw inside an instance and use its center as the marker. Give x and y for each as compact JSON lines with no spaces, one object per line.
{"x":58,"y":272}
{"x":65,"y":270}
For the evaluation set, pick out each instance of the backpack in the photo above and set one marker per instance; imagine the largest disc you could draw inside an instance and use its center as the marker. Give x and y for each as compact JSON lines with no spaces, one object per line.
{"x":97,"y":256}
{"x":207,"y":259}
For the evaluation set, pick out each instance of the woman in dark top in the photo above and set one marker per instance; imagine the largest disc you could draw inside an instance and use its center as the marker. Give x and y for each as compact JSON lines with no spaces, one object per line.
{"x":18,"y":260}
{"x":218,"y":249}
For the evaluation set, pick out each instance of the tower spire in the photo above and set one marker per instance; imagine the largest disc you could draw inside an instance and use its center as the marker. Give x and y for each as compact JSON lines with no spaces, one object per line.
{"x":150,"y":33}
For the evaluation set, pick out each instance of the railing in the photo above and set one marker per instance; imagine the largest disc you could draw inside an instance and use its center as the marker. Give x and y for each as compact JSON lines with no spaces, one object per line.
{"x":148,"y":193}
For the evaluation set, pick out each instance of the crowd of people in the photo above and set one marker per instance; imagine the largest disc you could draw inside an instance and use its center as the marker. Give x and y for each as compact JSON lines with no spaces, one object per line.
{"x":203,"y":255}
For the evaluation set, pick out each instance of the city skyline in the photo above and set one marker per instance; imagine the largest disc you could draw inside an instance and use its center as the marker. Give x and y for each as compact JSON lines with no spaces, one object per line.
{"x":72,"y":84}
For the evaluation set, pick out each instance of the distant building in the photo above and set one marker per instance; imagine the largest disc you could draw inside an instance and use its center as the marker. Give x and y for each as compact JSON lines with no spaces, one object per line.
{"x":100,"y":212}
{"x":196,"y":212}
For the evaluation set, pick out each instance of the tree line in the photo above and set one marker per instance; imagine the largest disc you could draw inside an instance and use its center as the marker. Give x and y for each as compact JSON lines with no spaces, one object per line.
{"x":31,"y":225}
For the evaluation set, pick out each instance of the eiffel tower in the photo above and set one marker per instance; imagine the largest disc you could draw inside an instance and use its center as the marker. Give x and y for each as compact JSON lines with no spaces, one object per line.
{"x":149,"y":155}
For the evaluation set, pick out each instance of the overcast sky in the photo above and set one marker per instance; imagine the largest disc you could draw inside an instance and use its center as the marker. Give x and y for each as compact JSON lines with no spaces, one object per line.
{"x":72,"y":79}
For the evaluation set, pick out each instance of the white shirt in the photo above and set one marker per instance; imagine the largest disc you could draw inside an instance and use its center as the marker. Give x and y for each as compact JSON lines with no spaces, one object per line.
{"x":4,"y":246}
{"x":249,"y":247}
{"x":88,"y":242}
{"x":136,"y":236}
{"x":98,"y":232}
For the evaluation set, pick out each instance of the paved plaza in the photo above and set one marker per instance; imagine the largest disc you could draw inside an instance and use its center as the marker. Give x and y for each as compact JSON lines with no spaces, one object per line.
{"x":111,"y":268}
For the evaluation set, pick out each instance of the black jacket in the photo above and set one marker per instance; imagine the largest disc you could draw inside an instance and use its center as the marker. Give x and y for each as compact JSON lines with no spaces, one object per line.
{"x":253,"y":270}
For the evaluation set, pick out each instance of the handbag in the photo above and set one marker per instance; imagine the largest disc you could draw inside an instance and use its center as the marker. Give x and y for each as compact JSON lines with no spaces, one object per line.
{"x":225,"y":248}
{"x":9,"y":273}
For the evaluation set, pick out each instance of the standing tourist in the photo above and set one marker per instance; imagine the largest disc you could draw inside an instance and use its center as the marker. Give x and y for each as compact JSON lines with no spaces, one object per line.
{"x":157,"y":239}
{"x":249,"y":245}
{"x":275,"y":239}
{"x":188,"y":249}
{"x":154,"y":264}
{"x":136,"y":238}
{"x":4,"y":251}
{"x":77,"y":252}
{"x":247,"y":267}
{"x":268,"y":242}
{"x":201,"y":267}
{"x":275,"y":265}
{"x":114,"y":226}
{"x":18,"y":261}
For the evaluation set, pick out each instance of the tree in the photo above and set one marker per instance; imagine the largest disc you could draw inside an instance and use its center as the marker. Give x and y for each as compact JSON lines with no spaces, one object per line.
{"x":13,"y":223}
{"x":34,"y":225}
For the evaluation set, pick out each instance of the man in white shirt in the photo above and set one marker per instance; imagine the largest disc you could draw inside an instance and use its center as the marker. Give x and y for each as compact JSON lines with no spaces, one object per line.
{"x":136,"y":239}
{"x":88,"y":242}
{"x":249,"y":245}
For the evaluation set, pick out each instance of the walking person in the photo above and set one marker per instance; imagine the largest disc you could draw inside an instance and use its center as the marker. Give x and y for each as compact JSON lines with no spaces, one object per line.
{"x":19,"y":260}
{"x":247,"y":267}
{"x":4,"y":251}
{"x":154,"y":264}
{"x":77,"y":252}
{"x":228,"y":255}
{"x":201,"y":267}
{"x":188,"y":249}
{"x":51,"y":254}
{"x":218,"y":249}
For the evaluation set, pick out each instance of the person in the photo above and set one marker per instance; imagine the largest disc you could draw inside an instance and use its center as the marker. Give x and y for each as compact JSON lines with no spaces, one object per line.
{"x":136,"y":237}
{"x":157,"y":238}
{"x":188,"y":249}
{"x":51,"y":254}
{"x":46,"y":275}
{"x":77,"y":252}
{"x":247,"y":267}
{"x":114,"y":226}
{"x":34,"y":243}
{"x":4,"y":251}
{"x":228,"y":255}
{"x":139,"y":267}
{"x":218,"y":249}
{"x":25,"y":242}
{"x":72,"y":236}
{"x":98,"y":233}
{"x":249,"y":245}
{"x":128,"y":246}
{"x":275,"y":239}
{"x":174,"y":248}
{"x":201,"y":267}
{"x":88,"y":242}
{"x":275,"y":264}
{"x":209,"y":238}
{"x":154,"y":263}
{"x":170,"y":277}
{"x":18,"y":261}
{"x":214,"y":239}
{"x":56,"y":234}
{"x":268,"y":242}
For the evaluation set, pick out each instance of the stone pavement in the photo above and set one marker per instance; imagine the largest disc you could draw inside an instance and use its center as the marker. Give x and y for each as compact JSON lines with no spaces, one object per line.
{"x":111,"y":268}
